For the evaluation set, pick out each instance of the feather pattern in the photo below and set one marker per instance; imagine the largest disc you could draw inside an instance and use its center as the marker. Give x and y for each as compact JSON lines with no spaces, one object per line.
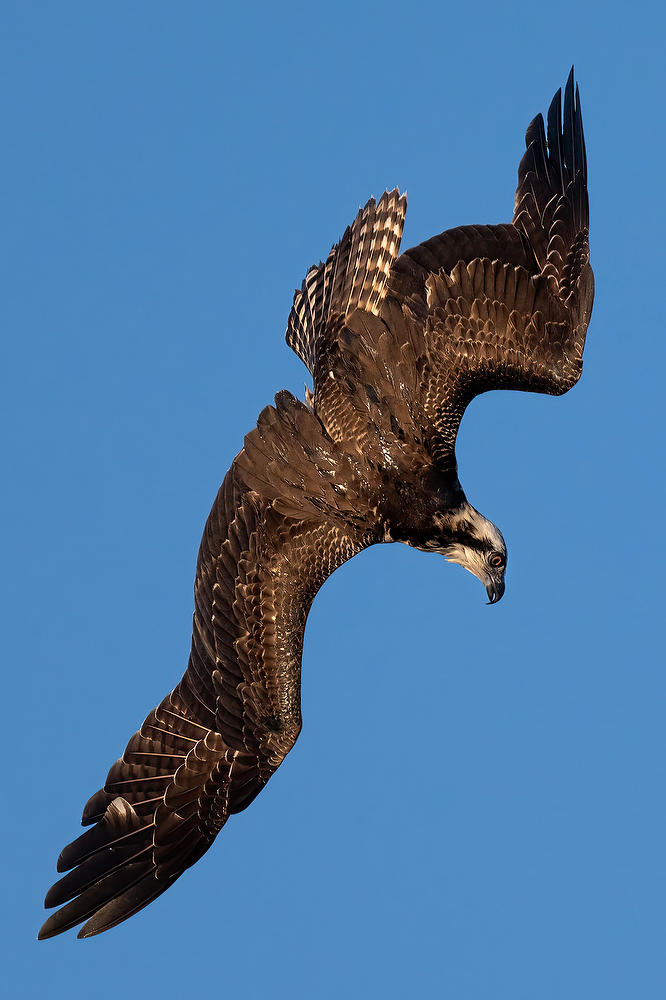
{"x":273,"y":536}
{"x":397,"y":347}
{"x":353,"y":275}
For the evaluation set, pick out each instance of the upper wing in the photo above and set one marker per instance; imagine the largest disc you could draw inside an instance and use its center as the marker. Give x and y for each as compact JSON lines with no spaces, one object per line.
{"x":490,"y":307}
{"x":281,"y":523}
{"x":396,"y":358}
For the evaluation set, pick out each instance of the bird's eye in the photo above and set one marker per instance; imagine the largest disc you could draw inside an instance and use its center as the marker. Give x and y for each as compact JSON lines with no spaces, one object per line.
{"x":496,"y":559}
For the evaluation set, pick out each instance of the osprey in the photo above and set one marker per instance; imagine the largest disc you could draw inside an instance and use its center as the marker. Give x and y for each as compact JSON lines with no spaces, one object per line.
{"x":397,"y":347}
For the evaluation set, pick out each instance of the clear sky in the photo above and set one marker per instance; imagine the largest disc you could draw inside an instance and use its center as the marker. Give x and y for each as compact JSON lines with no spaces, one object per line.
{"x":476,"y":805}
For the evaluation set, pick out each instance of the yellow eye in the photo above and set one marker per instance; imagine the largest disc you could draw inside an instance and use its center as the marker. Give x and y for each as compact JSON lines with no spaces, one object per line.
{"x":496,"y":559}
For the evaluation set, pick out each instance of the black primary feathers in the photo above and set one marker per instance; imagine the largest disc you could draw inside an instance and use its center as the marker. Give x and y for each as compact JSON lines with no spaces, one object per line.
{"x":397,"y":347}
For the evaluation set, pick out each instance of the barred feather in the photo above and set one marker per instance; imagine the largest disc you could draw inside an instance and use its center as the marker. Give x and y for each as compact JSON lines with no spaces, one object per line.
{"x":353,"y":276}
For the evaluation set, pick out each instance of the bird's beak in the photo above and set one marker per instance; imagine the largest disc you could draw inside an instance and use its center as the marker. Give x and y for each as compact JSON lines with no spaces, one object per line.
{"x":495,"y":591}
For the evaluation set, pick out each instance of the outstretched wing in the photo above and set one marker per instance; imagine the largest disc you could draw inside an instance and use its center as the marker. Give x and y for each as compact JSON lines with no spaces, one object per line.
{"x":285,"y":517}
{"x":490,"y":307}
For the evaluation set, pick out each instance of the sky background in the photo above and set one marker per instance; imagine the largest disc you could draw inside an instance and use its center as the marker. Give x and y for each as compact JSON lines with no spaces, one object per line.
{"x":477,"y":804}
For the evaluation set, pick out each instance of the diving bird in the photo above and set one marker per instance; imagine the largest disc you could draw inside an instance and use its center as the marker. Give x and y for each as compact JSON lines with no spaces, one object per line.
{"x":397,"y":346}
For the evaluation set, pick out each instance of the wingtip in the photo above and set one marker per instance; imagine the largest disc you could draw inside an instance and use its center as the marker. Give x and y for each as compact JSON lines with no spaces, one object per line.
{"x":48,"y":929}
{"x":555,"y":107}
{"x":52,"y":897}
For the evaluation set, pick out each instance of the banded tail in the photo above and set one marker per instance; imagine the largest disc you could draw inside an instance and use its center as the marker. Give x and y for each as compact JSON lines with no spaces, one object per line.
{"x":353,"y":276}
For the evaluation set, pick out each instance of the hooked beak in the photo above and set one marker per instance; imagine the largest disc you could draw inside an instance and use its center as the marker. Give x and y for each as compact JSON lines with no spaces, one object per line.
{"x":495,"y":591}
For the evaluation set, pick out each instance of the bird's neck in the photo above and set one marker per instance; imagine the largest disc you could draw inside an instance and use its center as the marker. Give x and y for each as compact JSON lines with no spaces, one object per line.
{"x":412,"y":504}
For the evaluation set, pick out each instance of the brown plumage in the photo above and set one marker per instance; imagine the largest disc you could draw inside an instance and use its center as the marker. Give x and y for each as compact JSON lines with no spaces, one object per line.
{"x":397,"y":347}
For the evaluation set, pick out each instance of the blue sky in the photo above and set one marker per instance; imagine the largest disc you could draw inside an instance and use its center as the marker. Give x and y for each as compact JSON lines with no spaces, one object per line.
{"x":476,"y":805}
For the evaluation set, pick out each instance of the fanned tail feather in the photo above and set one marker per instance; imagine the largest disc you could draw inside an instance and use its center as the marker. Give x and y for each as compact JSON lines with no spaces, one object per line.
{"x":352,"y":277}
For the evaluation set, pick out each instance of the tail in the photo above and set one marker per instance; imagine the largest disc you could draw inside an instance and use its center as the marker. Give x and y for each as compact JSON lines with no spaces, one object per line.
{"x":352,"y":277}
{"x":124,"y":862}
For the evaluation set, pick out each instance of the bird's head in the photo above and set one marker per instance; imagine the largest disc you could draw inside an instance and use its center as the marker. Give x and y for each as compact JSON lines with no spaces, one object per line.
{"x":468,"y":538}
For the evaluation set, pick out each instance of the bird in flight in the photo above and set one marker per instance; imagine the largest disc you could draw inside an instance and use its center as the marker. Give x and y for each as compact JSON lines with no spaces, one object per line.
{"x":397,"y":346}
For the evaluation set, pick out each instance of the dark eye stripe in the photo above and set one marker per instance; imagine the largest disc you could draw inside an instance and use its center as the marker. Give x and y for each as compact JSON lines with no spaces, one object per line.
{"x":471,"y":543}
